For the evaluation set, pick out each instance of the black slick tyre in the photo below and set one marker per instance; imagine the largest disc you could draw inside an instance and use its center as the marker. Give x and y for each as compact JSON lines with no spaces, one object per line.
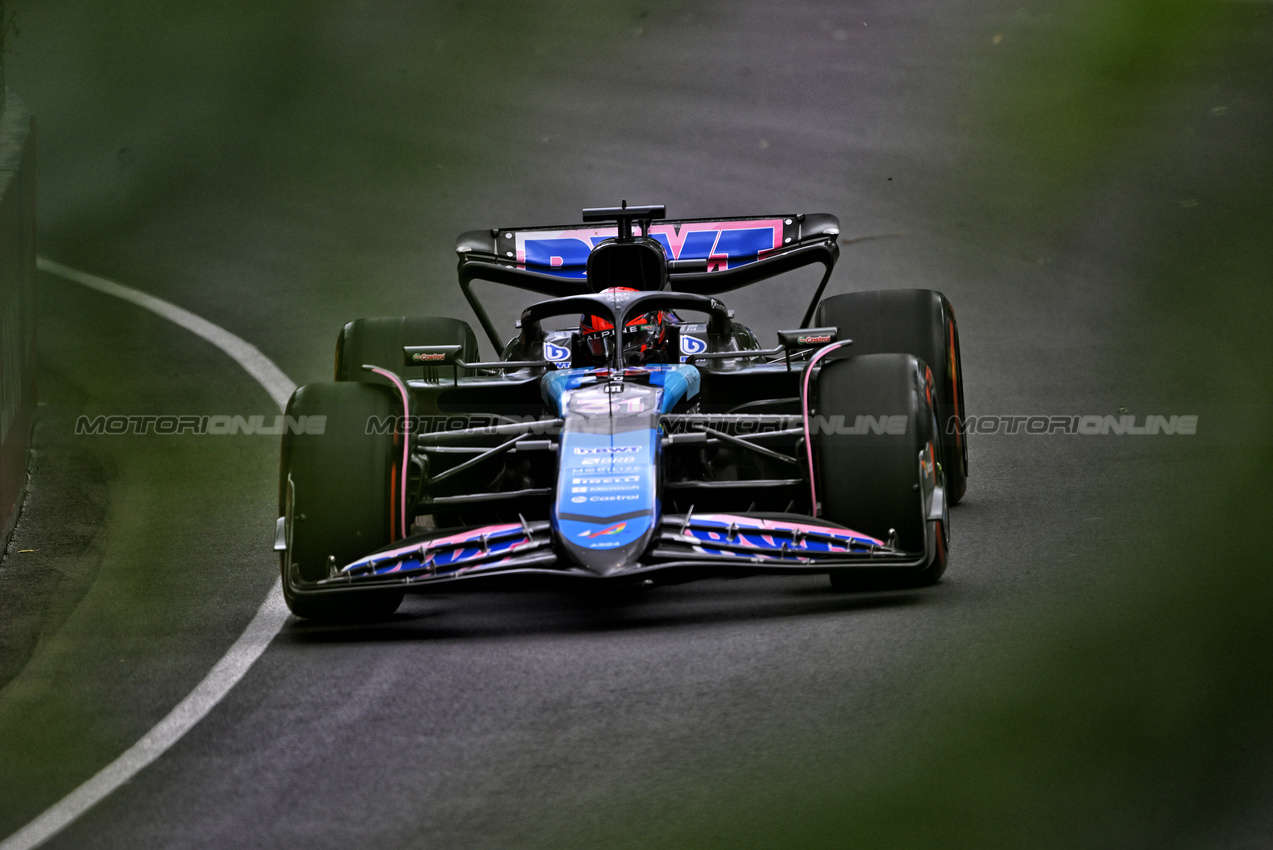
{"x":876,"y":426}
{"x":919,"y":322}
{"x":379,"y":341}
{"x":335,"y":486}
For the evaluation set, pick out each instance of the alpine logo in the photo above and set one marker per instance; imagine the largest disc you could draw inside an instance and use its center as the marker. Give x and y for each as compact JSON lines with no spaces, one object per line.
{"x":614,"y":529}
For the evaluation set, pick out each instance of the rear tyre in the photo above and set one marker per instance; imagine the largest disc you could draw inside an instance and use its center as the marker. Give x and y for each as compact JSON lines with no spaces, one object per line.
{"x":875,"y":481}
{"x":340,"y":496}
{"x":379,"y":342}
{"x":919,"y":322}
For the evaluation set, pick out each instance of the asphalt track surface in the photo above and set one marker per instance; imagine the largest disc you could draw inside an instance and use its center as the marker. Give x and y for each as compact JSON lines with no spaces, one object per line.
{"x":528,"y":719}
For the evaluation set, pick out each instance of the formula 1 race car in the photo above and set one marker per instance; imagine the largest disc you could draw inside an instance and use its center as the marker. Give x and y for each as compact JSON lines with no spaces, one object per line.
{"x":631,"y":433}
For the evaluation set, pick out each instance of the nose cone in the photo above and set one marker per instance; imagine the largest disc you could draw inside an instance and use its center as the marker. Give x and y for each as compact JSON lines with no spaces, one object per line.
{"x":606,"y":549}
{"x":607,"y":482}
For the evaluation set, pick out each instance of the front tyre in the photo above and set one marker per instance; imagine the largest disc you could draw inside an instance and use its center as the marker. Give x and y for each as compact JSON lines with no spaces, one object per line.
{"x":919,"y":322}
{"x":875,"y":449}
{"x":335,"y":489}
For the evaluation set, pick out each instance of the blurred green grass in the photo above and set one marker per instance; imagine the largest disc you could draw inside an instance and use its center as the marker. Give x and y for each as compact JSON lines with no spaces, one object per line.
{"x":1081,"y":78}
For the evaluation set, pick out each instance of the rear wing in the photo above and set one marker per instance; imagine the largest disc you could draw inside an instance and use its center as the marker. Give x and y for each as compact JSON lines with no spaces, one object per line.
{"x":706,"y":256}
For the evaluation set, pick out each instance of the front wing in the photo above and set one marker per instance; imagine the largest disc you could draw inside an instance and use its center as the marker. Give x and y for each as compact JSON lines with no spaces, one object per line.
{"x":688,"y":547}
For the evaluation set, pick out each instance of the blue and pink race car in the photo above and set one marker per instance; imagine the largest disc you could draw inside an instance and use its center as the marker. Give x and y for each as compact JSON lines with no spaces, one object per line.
{"x":631,"y":432}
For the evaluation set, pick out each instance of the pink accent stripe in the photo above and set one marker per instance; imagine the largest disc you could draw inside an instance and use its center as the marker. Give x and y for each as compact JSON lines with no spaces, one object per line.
{"x":782,"y":525}
{"x":440,"y":542}
{"x":406,"y":441}
{"x":467,"y":536}
{"x":804,"y":410}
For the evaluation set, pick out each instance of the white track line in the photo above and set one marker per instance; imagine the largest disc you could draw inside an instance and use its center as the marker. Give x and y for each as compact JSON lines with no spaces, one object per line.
{"x":256,"y":364}
{"x":255,"y":638}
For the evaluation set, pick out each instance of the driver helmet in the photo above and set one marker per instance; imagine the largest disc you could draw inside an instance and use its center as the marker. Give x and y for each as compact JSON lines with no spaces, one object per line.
{"x":643,"y":336}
